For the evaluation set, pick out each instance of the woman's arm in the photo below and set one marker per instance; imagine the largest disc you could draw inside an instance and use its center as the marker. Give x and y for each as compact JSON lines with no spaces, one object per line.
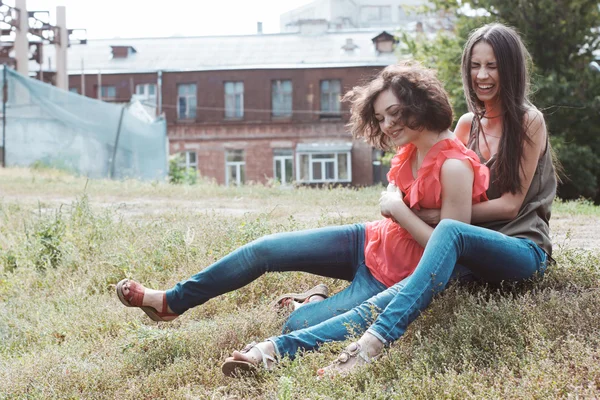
{"x":463,"y":128}
{"x":457,"y":188}
{"x":507,"y":206}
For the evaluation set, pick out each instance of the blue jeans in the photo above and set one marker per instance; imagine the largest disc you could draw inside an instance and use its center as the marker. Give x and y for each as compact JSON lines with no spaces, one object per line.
{"x":455,"y":251}
{"x":334,"y":252}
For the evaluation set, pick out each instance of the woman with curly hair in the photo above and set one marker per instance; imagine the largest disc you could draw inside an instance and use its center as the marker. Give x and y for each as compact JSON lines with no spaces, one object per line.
{"x":404,"y":108}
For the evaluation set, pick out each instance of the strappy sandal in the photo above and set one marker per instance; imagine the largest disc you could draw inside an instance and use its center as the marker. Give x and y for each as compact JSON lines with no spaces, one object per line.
{"x":135,"y":297}
{"x":343,"y":358}
{"x":234,"y":368}
{"x":285,"y":299}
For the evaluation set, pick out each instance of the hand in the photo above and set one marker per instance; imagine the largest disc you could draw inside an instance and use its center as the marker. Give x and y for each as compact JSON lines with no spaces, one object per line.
{"x":392,"y":188}
{"x":431,"y":216}
{"x":391,"y":205}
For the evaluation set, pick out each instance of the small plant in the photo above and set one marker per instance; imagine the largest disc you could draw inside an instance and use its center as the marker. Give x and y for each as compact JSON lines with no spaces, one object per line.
{"x":46,"y":240}
{"x":9,"y":260}
{"x":56,"y":164}
{"x":179,"y":173}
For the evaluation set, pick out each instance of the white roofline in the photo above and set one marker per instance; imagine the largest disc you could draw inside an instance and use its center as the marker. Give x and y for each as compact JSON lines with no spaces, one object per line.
{"x":234,"y":68}
{"x":374,"y":30}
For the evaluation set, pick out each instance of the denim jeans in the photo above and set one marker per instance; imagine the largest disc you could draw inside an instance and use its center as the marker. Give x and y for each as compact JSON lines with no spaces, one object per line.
{"x":455,"y":251}
{"x":336,"y":328}
{"x":489,"y":255}
{"x":334,"y":252}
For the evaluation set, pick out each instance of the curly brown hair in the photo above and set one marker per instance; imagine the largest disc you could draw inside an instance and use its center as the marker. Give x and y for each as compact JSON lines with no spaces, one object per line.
{"x":424,"y":101}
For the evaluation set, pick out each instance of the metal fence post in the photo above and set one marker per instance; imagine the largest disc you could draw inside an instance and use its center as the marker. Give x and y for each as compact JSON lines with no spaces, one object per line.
{"x":114,"y":155}
{"x":4,"y":99}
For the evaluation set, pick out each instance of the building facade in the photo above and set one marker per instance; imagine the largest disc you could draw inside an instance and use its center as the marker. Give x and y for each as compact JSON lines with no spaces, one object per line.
{"x":260,"y":108}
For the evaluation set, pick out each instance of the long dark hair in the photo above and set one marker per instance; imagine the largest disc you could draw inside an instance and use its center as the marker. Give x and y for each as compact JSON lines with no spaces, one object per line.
{"x":512,"y":59}
{"x":425,"y":103}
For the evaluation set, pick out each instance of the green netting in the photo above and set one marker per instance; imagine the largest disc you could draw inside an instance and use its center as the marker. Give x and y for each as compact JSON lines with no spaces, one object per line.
{"x":54,"y":127}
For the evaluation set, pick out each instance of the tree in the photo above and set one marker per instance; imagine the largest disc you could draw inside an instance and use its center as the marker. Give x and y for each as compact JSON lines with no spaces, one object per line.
{"x":561,"y":36}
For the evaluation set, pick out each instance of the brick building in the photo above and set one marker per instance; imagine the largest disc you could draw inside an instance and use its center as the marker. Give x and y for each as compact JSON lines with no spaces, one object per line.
{"x":247,"y":108}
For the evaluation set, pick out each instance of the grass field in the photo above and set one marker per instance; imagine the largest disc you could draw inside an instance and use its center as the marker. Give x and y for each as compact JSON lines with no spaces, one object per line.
{"x":65,"y":242}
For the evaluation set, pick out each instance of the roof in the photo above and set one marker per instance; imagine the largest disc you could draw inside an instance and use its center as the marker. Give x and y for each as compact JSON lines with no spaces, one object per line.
{"x":261,"y":51}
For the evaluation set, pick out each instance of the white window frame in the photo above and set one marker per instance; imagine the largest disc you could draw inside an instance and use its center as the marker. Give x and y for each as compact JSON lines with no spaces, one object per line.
{"x":282,"y":159}
{"x":190,"y":106}
{"x":102,"y":92}
{"x":382,"y":13}
{"x":238,"y":167}
{"x":187,"y":162}
{"x":277,"y":90}
{"x":322,"y":161}
{"x":142,"y":93}
{"x":333,"y":99}
{"x":231,"y":100}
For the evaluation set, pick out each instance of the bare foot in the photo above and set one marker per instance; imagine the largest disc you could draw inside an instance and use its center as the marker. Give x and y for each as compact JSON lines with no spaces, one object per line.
{"x":247,"y":360}
{"x":355,"y":355}
{"x":255,"y":356}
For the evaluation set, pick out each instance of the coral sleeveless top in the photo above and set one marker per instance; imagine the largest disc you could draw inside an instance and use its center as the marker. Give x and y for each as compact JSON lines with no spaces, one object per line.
{"x":391,"y":254}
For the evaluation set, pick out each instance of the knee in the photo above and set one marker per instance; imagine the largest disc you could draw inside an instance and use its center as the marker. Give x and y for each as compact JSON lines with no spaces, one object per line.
{"x":450,"y":228}
{"x":261,"y":247}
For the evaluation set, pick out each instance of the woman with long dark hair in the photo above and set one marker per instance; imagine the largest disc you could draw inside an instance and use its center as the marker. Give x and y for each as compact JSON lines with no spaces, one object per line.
{"x":510,"y":238}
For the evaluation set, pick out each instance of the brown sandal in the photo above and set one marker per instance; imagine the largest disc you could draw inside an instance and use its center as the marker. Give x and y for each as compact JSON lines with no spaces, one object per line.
{"x":283,"y":300}
{"x":347,"y":355}
{"x":135,"y":297}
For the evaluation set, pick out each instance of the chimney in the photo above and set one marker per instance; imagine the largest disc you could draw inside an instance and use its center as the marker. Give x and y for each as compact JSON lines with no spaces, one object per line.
{"x":259,"y":28}
{"x":350,"y":46}
{"x":122,"y":51}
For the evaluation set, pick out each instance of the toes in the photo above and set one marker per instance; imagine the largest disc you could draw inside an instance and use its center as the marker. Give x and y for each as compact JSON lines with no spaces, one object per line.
{"x":352,"y":347}
{"x":248,"y":356}
{"x":236,"y":355}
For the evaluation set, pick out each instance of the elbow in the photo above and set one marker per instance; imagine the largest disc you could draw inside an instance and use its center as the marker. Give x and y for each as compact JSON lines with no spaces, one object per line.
{"x":511,"y":211}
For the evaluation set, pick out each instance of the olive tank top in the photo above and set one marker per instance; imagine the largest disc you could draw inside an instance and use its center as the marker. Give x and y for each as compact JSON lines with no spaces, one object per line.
{"x":532,"y":221}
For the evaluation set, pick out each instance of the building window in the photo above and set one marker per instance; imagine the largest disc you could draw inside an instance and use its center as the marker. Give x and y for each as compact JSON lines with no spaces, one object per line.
{"x":146,"y":93}
{"x":234,"y":99}
{"x":186,"y":101}
{"x":330,"y":98}
{"x":188,"y":160}
{"x":283,"y":166}
{"x":235,"y":167}
{"x":281,"y":95}
{"x":107,"y":92}
{"x":403,"y":15}
{"x":324,"y":167}
{"x":375,"y":15}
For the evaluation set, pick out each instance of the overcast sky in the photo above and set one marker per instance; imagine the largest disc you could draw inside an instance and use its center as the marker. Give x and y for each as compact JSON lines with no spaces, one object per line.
{"x":153,"y":18}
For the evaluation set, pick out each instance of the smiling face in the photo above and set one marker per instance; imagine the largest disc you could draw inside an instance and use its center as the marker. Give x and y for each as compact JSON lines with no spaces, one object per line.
{"x":485,"y":78}
{"x":388,"y":112}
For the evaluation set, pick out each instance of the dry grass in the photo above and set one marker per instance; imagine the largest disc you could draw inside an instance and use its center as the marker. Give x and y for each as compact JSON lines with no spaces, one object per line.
{"x":64,"y":334}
